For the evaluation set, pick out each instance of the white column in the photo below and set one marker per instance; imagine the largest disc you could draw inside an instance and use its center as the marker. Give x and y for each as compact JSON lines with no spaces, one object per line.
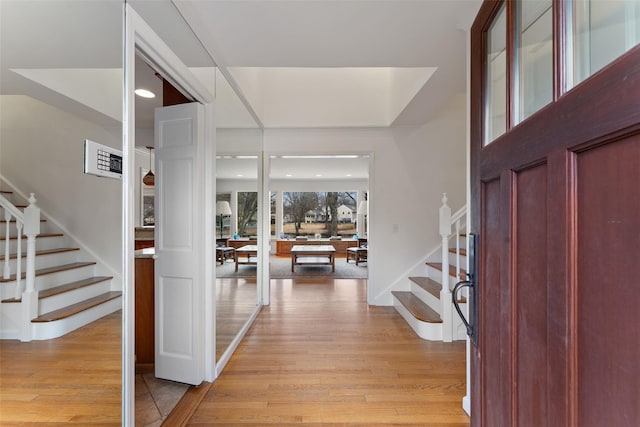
{"x":279,"y":214}
{"x":233,"y":223}
{"x":359,"y":217}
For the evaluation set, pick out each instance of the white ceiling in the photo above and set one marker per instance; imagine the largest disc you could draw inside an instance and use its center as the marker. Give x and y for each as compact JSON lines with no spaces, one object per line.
{"x":298,"y":63}
{"x":276,"y":39}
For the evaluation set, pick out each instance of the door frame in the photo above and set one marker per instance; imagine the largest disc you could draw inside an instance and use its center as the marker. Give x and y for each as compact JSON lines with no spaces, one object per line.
{"x":139,"y":37}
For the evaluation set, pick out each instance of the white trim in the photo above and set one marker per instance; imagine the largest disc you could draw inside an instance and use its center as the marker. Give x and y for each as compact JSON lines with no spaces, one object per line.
{"x":140,"y":37}
{"x":264,"y":293}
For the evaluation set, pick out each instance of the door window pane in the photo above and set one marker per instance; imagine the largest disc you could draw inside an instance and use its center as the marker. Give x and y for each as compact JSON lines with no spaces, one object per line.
{"x":535,"y":56}
{"x":603,"y":30}
{"x":496,"y":84}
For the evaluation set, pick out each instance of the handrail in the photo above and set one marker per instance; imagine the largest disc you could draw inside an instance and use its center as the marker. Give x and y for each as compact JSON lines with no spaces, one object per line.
{"x":460,"y":213}
{"x":8,"y":206}
{"x":10,"y":211}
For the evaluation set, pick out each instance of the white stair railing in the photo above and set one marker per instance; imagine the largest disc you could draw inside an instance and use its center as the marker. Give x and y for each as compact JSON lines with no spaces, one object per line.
{"x":27,"y":224}
{"x":446,"y":222}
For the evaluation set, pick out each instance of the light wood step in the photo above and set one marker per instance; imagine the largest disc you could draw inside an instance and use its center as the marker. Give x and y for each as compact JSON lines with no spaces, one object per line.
{"x":416,"y":307}
{"x":38,"y":236}
{"x":67,"y":287}
{"x":428,"y":285}
{"x":432,"y":287}
{"x":77,"y":308}
{"x":51,"y":270}
{"x":461,"y":251}
{"x":46,"y":252}
{"x":452,"y":269}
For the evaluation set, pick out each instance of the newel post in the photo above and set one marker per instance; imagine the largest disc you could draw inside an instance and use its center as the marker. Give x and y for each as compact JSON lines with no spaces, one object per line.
{"x":445,"y":292}
{"x":30,"y":295}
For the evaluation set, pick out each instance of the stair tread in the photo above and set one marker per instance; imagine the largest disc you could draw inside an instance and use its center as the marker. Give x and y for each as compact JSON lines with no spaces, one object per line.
{"x":72,"y":286}
{"x":47,"y":252}
{"x":39,"y":235}
{"x":432,"y":287}
{"x":77,"y":308}
{"x":50,"y":270}
{"x":417,"y":307}
{"x":461,"y":251}
{"x":452,"y":269}
{"x":428,"y":285}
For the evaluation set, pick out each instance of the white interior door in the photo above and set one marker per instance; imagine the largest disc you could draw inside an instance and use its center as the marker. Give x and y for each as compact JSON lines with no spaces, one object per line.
{"x":179,"y":267}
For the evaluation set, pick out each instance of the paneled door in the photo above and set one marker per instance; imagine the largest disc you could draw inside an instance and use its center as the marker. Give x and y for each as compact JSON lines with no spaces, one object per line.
{"x":556,"y":205}
{"x":180,"y":264}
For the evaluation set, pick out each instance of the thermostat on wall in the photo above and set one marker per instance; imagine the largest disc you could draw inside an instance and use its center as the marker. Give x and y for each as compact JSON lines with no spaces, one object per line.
{"x":101,"y":160}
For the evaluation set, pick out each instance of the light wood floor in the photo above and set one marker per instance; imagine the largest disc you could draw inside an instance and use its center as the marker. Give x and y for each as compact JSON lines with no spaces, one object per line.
{"x":319,"y":355}
{"x":76,"y":379}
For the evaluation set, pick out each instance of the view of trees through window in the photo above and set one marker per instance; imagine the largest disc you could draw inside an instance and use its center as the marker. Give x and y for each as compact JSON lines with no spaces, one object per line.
{"x":247,"y":214}
{"x":320,"y":213}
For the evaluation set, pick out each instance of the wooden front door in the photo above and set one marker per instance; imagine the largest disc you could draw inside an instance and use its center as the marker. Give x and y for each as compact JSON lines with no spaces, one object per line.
{"x":556,"y":205}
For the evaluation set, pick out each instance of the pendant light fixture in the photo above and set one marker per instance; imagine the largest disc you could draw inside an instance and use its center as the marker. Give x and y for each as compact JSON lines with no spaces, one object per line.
{"x":149,"y":179}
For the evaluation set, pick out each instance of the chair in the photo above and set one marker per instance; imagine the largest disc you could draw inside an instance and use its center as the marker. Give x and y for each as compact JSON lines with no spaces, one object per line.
{"x":224,"y":253}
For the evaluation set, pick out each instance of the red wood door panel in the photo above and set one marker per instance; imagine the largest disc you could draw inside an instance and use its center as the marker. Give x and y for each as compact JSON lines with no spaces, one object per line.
{"x":608,"y":293}
{"x":556,"y":205}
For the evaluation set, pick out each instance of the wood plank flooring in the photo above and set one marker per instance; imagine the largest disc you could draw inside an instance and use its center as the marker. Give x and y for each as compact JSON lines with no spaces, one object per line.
{"x":320,"y":356}
{"x":75,"y":379}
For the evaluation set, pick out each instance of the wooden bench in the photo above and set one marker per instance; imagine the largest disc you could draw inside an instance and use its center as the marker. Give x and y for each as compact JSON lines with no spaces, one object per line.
{"x":313,"y":255}
{"x":357,"y":254}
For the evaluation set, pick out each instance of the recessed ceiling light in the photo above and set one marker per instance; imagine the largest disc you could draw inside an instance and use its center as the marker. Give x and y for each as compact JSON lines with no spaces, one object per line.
{"x":145,"y":93}
{"x":348,"y":174}
{"x":239,"y":175}
{"x":289,"y":175}
{"x":318,"y":174}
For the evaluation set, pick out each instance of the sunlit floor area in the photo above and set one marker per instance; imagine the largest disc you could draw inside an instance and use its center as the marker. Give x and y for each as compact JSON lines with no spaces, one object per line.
{"x":76,"y":378}
{"x":236,"y":300}
{"x":320,"y":355}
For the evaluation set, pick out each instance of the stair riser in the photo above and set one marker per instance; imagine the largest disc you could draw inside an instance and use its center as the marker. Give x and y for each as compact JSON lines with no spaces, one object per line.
{"x":56,"y":302}
{"x":463,"y":260}
{"x":49,"y":280}
{"x":427,"y":298}
{"x":13,"y":231}
{"x":436,"y":275}
{"x":42,"y":243}
{"x":48,"y":330}
{"x":44,"y":261}
{"x":425,"y":330}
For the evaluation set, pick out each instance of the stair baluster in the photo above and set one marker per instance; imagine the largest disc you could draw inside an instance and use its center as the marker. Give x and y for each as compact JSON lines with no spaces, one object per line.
{"x":446,"y":311}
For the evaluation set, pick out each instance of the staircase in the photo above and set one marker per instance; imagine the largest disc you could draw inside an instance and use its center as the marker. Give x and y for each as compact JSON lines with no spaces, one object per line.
{"x":55,"y":289}
{"x":422,"y":299}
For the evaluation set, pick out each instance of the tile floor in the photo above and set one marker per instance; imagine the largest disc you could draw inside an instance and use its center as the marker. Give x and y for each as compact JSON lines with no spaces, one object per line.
{"x":155,"y":398}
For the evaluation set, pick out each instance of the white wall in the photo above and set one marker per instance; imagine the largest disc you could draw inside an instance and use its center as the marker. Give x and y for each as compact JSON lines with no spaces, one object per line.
{"x":411,"y":168}
{"x":42,"y":152}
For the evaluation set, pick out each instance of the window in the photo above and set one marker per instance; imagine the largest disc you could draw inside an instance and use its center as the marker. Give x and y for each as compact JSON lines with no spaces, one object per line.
{"x":496,"y":84}
{"x":535,"y":56}
{"x":320,"y":214}
{"x":602,"y":31}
